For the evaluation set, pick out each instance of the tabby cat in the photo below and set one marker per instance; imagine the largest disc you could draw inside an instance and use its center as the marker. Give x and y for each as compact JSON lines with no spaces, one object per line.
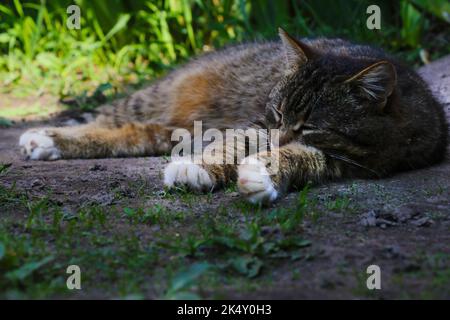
{"x":343,"y":110}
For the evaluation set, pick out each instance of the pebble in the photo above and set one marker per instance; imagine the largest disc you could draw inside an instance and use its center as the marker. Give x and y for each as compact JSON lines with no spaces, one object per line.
{"x":423,"y":222}
{"x":98,"y":167}
{"x":37,"y":183}
{"x":408,"y":213}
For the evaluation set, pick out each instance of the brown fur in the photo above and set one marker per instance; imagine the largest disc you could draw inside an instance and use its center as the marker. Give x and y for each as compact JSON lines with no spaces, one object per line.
{"x":131,"y":139}
{"x":342,"y":109}
{"x":193,"y":97}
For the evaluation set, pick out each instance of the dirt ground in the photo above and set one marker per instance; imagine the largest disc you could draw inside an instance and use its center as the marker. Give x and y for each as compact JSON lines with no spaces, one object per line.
{"x":401,"y":224}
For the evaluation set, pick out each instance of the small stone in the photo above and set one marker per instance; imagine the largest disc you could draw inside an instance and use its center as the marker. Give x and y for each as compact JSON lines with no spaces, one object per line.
{"x":392,"y":252}
{"x":37,"y":183}
{"x":437,"y":199}
{"x":404,"y":213}
{"x":387,"y":216}
{"x":102,"y":199}
{"x":369,"y":219}
{"x":116,"y":184}
{"x":97,"y":167}
{"x":423,"y":222}
{"x":383,"y":223}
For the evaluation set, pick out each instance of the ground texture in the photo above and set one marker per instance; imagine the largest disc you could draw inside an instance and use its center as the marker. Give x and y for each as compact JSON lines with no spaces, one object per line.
{"x":132,"y":239}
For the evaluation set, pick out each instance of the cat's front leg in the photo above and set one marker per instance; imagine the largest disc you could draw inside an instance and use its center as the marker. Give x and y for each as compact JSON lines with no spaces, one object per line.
{"x":264,"y":177}
{"x":184,"y":172}
{"x":256,"y":181}
{"x":198,"y":177}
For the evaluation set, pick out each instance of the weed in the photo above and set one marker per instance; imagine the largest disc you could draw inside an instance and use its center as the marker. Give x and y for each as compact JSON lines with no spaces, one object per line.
{"x":123,"y":45}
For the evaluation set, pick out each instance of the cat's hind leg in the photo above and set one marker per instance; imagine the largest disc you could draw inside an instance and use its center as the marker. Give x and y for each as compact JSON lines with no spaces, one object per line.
{"x":95,"y":141}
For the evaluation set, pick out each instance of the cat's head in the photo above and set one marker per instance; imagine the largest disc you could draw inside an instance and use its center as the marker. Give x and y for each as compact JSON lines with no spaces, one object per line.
{"x":329,"y":100}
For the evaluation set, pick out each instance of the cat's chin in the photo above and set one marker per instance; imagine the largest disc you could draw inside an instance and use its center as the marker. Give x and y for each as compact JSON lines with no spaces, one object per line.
{"x":254,"y":182}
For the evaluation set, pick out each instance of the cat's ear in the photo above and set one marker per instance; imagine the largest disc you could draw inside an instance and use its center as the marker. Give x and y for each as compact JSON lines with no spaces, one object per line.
{"x":377,"y":81}
{"x":296,"y":52}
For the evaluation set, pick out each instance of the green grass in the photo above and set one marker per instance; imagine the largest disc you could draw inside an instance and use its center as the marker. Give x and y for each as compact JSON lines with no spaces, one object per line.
{"x":158,"y":246}
{"x":124,"y":45}
{"x":141,"y":251}
{"x":339,"y":204}
{"x":156,"y":214}
{"x":23,"y":111}
{"x":434,"y":267}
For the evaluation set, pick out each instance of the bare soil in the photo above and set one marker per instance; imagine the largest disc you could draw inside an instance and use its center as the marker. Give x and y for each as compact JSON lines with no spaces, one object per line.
{"x":401,"y":224}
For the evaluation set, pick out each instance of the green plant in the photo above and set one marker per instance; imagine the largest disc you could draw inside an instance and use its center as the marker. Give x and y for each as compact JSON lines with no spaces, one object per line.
{"x":124,"y":44}
{"x":184,"y":280}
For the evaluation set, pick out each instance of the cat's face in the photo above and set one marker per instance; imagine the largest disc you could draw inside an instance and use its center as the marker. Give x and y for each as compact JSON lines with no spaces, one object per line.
{"x":331,"y":102}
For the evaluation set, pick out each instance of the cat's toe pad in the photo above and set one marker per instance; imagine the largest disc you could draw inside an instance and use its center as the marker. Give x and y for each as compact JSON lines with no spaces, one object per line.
{"x":254,"y":182}
{"x":185,"y":172}
{"x":38,"y":144}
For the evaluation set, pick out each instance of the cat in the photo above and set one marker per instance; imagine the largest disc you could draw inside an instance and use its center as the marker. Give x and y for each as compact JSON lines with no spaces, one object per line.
{"x":343,"y":110}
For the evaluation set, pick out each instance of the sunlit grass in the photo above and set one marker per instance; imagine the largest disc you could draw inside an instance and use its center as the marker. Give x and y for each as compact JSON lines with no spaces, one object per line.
{"x":23,"y":111}
{"x":125,"y":43}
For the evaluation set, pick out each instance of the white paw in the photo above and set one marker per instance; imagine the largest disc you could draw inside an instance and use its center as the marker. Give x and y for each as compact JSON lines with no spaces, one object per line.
{"x":37,"y":144}
{"x":185,"y":172}
{"x":254,"y":182}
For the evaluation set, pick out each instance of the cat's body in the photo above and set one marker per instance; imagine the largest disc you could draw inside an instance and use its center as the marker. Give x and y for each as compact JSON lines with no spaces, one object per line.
{"x":343,"y":110}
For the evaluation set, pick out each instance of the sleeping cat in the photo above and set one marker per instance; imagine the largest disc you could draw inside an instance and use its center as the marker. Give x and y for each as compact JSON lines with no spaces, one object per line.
{"x":342,"y":110}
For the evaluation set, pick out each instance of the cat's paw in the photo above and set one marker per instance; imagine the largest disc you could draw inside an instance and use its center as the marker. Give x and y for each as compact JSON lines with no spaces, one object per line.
{"x":38,"y":144}
{"x":185,"y":172}
{"x":254,"y":182}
